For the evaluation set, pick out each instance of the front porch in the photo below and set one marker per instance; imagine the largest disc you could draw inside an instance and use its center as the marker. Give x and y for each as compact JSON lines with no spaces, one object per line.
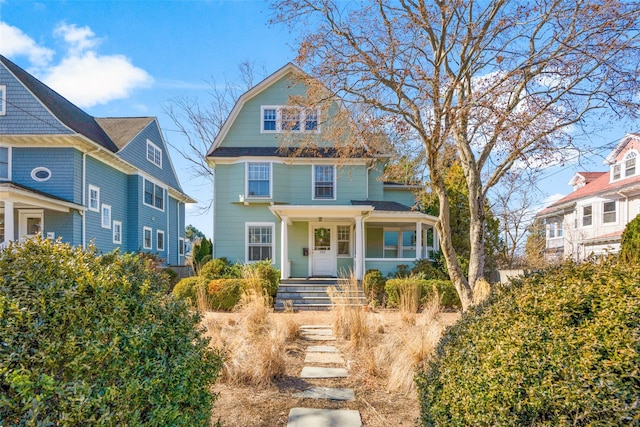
{"x":337,"y":241}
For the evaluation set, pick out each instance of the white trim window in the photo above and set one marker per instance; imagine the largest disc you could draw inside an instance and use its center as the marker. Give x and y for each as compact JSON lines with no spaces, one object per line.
{"x":555,"y":229}
{"x":324,"y":182}
{"x":609,"y":212}
{"x":630,"y":164}
{"x":147,"y":242}
{"x":3,"y":100}
{"x":160,"y":240}
{"x":154,"y":154}
{"x":5,"y":162}
{"x":94,"y":198}
{"x":260,"y":241}
{"x":587,"y":216}
{"x":106,"y":216}
{"x":117,"y":232}
{"x":344,"y":240}
{"x":258,"y":179}
{"x":153,"y":195}
{"x":616,"y":172}
{"x":287,"y":118}
{"x":180,"y":246}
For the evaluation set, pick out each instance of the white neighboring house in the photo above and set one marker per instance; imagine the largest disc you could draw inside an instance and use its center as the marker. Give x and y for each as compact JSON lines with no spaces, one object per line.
{"x":591,"y":219}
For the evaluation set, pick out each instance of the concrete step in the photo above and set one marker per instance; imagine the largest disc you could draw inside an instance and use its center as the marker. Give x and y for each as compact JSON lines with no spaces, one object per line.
{"x":310,"y":294}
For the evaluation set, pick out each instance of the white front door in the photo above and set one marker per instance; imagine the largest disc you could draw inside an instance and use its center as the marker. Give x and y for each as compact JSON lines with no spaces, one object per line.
{"x":323,"y":250}
{"x":30,"y":223}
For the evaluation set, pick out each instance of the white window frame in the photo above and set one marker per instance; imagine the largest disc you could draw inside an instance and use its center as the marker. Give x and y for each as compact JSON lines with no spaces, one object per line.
{"x":313,"y":182}
{"x":582,"y":216}
{"x":117,"y":228}
{"x":616,"y":172}
{"x":246,"y":180}
{"x":349,"y":241}
{"x":144,"y":238}
{"x":8,"y":177}
{"x":180,"y":246}
{"x":105,"y":220}
{"x":156,"y":154}
{"x":3,"y":100}
{"x":153,"y":195}
{"x":247,"y":226}
{"x":302,"y":119}
{"x":158,"y":234}
{"x":615,"y":212}
{"x":632,"y":154}
{"x":97,"y":199}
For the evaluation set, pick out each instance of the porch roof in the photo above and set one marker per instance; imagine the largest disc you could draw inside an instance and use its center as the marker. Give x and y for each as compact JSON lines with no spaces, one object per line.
{"x":27,"y":197}
{"x":369,"y":212}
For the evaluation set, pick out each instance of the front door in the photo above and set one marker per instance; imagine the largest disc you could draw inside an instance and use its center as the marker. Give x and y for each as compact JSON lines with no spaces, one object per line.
{"x":323,"y":251}
{"x":30,"y":223}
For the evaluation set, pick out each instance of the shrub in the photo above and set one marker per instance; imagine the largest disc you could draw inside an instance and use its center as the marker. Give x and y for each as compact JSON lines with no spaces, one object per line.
{"x":395,"y":287}
{"x":90,"y":340}
{"x":214,"y":269}
{"x":224,"y":294}
{"x":186,"y":289}
{"x":172,"y":277}
{"x":428,"y":270}
{"x":448,"y":296}
{"x":267,"y":272}
{"x":630,"y":244}
{"x":559,"y":348}
{"x":374,"y":286}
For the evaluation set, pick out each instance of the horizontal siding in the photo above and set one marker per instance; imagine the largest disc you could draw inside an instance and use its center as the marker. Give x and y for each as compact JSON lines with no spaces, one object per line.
{"x":67,"y":226}
{"x":65,"y":165}
{"x":298,"y":239}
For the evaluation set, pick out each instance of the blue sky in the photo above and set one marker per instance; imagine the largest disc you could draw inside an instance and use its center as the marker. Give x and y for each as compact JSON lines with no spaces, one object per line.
{"x":128,"y":58}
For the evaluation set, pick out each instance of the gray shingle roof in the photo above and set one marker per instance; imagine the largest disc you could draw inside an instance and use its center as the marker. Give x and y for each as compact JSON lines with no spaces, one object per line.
{"x":383,"y":205}
{"x":123,"y":129}
{"x":72,"y":116}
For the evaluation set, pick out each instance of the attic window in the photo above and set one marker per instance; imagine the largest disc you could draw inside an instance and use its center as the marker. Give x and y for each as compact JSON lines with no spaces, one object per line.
{"x":154,"y":154}
{"x":278,"y":118}
{"x":630,"y":164}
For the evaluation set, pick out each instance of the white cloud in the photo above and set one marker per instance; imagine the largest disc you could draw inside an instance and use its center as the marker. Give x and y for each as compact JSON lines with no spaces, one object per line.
{"x":83,"y":75}
{"x":16,"y":43}
{"x":552,"y":199}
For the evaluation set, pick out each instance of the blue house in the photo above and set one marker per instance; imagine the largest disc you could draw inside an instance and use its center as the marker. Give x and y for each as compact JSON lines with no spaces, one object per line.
{"x":313,"y":213}
{"x":68,"y":175}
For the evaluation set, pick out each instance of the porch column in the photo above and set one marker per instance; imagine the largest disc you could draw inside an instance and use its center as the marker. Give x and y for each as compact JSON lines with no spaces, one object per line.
{"x":359,"y":237}
{"x":284,"y":248}
{"x":419,"y":240}
{"x":8,"y":222}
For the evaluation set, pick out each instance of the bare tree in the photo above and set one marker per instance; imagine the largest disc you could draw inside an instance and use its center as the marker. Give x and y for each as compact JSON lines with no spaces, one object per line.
{"x":199,"y":123}
{"x":499,"y":81}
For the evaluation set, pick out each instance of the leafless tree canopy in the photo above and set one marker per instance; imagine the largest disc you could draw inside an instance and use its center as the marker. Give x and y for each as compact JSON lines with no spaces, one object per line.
{"x":504,"y":82}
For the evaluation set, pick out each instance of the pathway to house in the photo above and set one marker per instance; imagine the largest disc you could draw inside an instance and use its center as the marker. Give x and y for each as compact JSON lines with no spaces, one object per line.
{"x":323,"y":361}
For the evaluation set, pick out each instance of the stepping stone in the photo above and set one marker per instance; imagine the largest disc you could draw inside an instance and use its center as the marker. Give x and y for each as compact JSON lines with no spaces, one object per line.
{"x":321,"y":349}
{"x":318,"y":338}
{"x":315,"y":326}
{"x":318,"y":372}
{"x":328,"y":332}
{"x":323,"y":358}
{"x":307,"y":417}
{"x":327,"y":393}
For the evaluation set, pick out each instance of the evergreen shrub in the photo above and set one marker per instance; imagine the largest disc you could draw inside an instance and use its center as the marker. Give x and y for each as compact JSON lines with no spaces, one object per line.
{"x":89,"y":340}
{"x":557,"y":348}
{"x":187,"y":289}
{"x":267,"y":272}
{"x":374,"y":283}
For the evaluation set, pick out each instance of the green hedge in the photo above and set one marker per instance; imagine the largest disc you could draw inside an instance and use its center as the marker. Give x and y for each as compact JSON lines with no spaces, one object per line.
{"x":427,"y":288}
{"x":88,"y":340}
{"x":559,"y":348}
{"x":186,"y":289}
{"x":393,"y":288}
{"x":374,"y":286}
{"x":265,"y":271}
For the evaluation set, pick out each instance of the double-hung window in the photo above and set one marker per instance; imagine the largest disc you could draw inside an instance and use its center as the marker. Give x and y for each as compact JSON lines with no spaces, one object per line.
{"x":587,"y":216}
{"x":154,"y":154}
{"x":344,"y":240}
{"x":260,"y":242}
{"x":259,"y":180}
{"x":153,"y":195}
{"x":555,"y":229}
{"x":286,"y":118}
{"x":160,"y":240}
{"x":94,"y":198}
{"x":324,"y":182}
{"x":106,"y":216}
{"x":4,"y":162}
{"x":630,"y":164}
{"x":146,"y":237}
{"x":608,"y":212}
{"x":180,"y":246}
{"x":117,"y":232}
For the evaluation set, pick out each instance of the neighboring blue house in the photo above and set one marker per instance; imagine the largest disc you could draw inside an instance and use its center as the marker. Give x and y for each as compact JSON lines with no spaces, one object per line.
{"x":64,"y":173}
{"x":314,"y":214}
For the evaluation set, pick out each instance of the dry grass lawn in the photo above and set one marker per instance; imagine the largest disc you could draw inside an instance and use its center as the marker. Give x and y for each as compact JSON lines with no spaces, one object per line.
{"x":265,"y":356}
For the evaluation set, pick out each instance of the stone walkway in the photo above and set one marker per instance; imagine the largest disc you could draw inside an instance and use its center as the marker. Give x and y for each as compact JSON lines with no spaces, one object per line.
{"x":320,"y":353}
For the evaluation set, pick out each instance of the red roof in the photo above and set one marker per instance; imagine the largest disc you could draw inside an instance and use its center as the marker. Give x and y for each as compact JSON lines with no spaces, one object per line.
{"x":600,"y":185}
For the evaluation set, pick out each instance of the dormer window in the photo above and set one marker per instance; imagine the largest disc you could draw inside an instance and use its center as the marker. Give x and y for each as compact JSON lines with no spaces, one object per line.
{"x":154,"y":154}
{"x":630,"y":164}
{"x":279,"y":118}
